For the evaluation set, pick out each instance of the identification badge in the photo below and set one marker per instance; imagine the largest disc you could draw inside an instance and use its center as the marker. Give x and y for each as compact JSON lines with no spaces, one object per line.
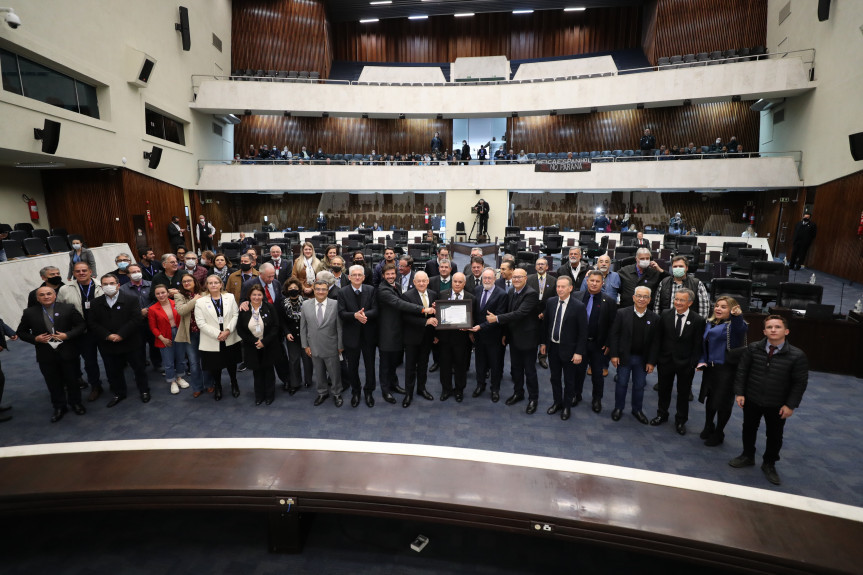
{"x":86,"y":305}
{"x":257,"y":329}
{"x":219,"y":319}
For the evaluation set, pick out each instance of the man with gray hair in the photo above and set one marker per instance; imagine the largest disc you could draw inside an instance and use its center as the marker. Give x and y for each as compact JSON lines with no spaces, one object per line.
{"x":321,"y":337}
{"x":328,"y":277}
{"x":359,"y":315}
{"x":122,"y":261}
{"x":644,"y":272}
{"x":50,"y":277}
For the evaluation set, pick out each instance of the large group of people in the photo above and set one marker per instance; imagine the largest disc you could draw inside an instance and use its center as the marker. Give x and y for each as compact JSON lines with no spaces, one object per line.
{"x":312,"y":320}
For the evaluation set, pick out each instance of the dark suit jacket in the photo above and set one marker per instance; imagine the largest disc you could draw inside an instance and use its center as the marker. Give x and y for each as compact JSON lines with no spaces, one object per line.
{"x":566,"y":270}
{"x":550,"y":290}
{"x":620,"y":341}
{"x":285,"y":271}
{"x":607,"y":312}
{"x":123,"y":319}
{"x":645,"y":243}
{"x":247,"y":285}
{"x":391,"y":307}
{"x":501,"y":283}
{"x":573,"y":333}
{"x":434,"y":284}
{"x":432,"y":268}
{"x":471,"y":282}
{"x":175,"y":238}
{"x":66,"y":320}
{"x":354,"y":333}
{"x":415,"y":328}
{"x":629,"y":280}
{"x":496,"y":304}
{"x":31,"y":297}
{"x":682,"y":350}
{"x":521,"y":325}
{"x":267,"y":356}
{"x":399,"y":281}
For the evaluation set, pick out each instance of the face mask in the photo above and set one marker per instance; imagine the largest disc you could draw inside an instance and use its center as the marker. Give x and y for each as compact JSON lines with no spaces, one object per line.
{"x":644,"y":264}
{"x":678,"y":272}
{"x":293,"y":293}
{"x":203,"y":261}
{"x":55,"y":281}
{"x":245,"y":267}
{"x":336,"y":270}
{"x":76,"y":246}
{"x":109,"y":290}
{"x":359,"y":262}
{"x":190,"y":264}
{"x":136,"y":276}
{"x":123,"y":265}
{"x":201,"y":222}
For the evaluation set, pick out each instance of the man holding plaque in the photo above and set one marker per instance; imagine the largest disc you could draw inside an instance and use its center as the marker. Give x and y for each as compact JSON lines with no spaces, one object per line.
{"x":454,"y":345}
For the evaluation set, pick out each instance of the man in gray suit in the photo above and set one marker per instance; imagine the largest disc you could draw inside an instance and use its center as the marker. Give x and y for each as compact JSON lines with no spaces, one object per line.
{"x":321,"y":336}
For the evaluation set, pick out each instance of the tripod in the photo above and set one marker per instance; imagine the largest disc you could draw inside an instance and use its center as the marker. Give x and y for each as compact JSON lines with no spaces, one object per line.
{"x":470,"y":236}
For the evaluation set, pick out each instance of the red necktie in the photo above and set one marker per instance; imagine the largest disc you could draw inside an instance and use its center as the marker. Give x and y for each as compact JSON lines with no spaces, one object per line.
{"x":267,"y":291}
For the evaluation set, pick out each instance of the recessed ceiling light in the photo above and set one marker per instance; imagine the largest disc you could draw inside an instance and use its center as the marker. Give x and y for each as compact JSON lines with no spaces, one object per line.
{"x":39,"y":165}
{"x":377,"y":2}
{"x":522,"y":11}
{"x":463,"y":14}
{"x":582,"y":9}
{"x":418,"y":17}
{"x":369,"y":20}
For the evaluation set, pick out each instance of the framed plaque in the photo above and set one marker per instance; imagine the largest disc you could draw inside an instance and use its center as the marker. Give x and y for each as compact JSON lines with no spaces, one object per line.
{"x":454,"y":314}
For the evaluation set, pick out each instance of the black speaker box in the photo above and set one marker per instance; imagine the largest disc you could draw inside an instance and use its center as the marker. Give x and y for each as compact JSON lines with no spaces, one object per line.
{"x":50,"y":136}
{"x":856,"y":143}
{"x":183,"y":28}
{"x":823,"y":10}
{"x":154,"y":157}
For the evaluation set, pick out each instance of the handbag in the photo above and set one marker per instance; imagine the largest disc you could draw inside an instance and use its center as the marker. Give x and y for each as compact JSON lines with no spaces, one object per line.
{"x":732,"y":356}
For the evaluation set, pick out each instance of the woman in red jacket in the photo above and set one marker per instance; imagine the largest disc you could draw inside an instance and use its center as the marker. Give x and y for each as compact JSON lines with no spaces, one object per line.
{"x":164,"y":320}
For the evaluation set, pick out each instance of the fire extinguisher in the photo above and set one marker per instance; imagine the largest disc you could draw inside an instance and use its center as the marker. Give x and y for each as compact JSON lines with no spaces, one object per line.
{"x":34,"y":209}
{"x":752,"y":218}
{"x":149,"y":218}
{"x":860,"y":226}
{"x":427,"y":214}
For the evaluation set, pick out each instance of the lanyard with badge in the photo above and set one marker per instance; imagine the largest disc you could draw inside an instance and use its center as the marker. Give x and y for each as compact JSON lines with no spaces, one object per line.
{"x":256,"y":317}
{"x":86,"y":294}
{"x":219,"y":317}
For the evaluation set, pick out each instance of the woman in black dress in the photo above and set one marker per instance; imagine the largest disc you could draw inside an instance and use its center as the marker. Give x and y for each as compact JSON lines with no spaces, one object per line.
{"x":261,"y":333}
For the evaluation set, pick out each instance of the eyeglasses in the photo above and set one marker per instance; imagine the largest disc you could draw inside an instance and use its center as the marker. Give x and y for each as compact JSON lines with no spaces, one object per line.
{"x":640,"y":296}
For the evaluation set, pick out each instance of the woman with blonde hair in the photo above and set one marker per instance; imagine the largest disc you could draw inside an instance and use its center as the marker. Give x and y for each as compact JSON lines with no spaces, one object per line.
{"x":306,"y":267}
{"x":724,"y":340}
{"x":216,"y":318}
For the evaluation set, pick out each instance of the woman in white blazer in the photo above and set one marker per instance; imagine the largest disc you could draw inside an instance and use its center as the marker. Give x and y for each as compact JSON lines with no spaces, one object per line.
{"x":216,"y":317}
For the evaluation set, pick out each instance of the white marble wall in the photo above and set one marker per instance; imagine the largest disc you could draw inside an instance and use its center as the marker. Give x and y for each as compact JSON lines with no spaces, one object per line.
{"x":563,"y":68}
{"x":480,"y":67}
{"x":401,"y":74}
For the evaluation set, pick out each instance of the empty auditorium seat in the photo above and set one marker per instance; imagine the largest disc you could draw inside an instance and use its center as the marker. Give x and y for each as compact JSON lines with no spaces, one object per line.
{"x":739,"y":289}
{"x":19,"y":235}
{"x":796,"y":296}
{"x":58,"y":244}
{"x":35,"y":247}
{"x":40,"y":233}
{"x":59,"y":232}
{"x":25,"y":226}
{"x":13,"y":249}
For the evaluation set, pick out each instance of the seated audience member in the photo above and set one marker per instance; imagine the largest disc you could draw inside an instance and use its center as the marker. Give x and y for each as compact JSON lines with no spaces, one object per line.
{"x":749,"y":233}
{"x":245,"y":242}
{"x":164,"y":321}
{"x":80,"y":254}
{"x":511,"y":158}
{"x":320,"y":155}
{"x":732,"y":144}
{"x":522,"y":157}
{"x":50,"y":277}
{"x":716,"y":147}
{"x":499,"y":155}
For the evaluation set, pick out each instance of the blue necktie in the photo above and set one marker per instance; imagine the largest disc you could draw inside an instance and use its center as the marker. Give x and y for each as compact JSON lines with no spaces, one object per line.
{"x":484,"y":299}
{"x":589,"y":306}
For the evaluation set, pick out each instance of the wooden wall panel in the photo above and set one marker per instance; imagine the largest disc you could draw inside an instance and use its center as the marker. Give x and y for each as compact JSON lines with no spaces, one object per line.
{"x":340,"y":135}
{"x":99,"y":204}
{"x":543,"y":34}
{"x":621,"y":129}
{"x":687,"y":27}
{"x":281,"y":35}
{"x":837,"y":250}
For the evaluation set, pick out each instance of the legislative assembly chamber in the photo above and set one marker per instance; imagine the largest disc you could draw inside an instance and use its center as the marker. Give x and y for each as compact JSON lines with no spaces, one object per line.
{"x":412,"y":286}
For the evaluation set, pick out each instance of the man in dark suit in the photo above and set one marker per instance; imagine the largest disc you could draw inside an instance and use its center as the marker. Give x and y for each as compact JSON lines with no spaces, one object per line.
{"x":644,"y":272}
{"x":54,"y":327}
{"x":474,"y":253}
{"x":482,"y":210}
{"x":50,"y":277}
{"x":175,"y":234}
{"x":6,"y":331}
{"x":640,"y":242}
{"x":488,"y":336}
{"x":114,"y":319}
{"x":575,"y":268}
{"x":521,"y":327}
{"x":681,"y":332}
{"x":454,"y":346}
{"x":804,"y":235}
{"x":406,"y":274}
{"x":504,"y":282}
{"x":473,"y":274}
{"x":601,"y":310}
{"x":418,"y":336}
{"x":391,"y":308}
{"x":564,"y":339}
{"x":283,"y":267}
{"x":542,"y":282}
{"x":442,"y":281}
{"x":359,"y":314}
{"x":433,"y":266}
{"x":634,"y":347}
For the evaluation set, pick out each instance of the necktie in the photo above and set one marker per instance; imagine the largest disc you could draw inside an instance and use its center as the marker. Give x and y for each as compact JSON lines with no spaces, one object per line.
{"x":541,"y":286}
{"x":679,"y":324}
{"x":277,"y":264}
{"x":425,"y":300}
{"x":484,"y":299}
{"x":359,"y":298}
{"x":245,"y":278}
{"x":458,"y":296}
{"x":508,"y":285}
{"x":267,"y":291}
{"x":589,"y":306}
{"x":320,"y":313}
{"x":773,"y":349}
{"x":558,"y":321}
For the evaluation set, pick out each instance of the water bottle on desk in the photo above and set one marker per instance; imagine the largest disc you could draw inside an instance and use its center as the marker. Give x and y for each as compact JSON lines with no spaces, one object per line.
{"x":812,"y":279}
{"x":858,"y":307}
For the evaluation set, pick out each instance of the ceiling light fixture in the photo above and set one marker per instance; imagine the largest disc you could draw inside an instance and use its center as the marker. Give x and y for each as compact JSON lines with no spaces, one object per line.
{"x":369,"y":20}
{"x":418,"y":17}
{"x":581,"y":9}
{"x":464,"y":14}
{"x":379,"y":2}
{"x":522,"y":11}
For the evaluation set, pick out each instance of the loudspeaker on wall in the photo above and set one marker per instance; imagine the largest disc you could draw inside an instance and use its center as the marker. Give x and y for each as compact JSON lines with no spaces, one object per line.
{"x":154,"y":157}
{"x":823,"y":10}
{"x":50,"y":136}
{"x":856,"y":143}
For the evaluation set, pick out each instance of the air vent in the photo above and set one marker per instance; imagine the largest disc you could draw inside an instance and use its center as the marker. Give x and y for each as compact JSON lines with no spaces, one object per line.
{"x":217,"y":42}
{"x":217,"y":129}
{"x":785,"y":12}
{"x":778,"y":116}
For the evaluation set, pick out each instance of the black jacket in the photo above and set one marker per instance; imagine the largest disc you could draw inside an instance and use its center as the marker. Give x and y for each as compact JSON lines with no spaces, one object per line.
{"x":390,"y":309}
{"x":573,"y":335}
{"x":415,"y":328}
{"x":566,"y":270}
{"x":620,"y":341}
{"x":607,"y":313}
{"x":629,"y":280}
{"x":780,"y":381}
{"x":66,"y":320}
{"x":682,"y":350}
{"x":272,"y":351}
{"x":123,"y":319}
{"x":521,"y":324}
{"x":354,"y":333}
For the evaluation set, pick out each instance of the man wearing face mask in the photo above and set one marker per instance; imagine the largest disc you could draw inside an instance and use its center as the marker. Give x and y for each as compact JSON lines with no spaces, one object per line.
{"x":50,"y":277}
{"x":122,"y":261}
{"x":205,"y":232}
{"x":175,"y":234}
{"x":320,"y":155}
{"x":139,"y":289}
{"x":680,"y":279}
{"x":804,"y":235}
{"x":644,"y":272}
{"x":239,"y":277}
{"x":359,"y":259}
{"x":574,"y":268}
{"x":199,"y":272}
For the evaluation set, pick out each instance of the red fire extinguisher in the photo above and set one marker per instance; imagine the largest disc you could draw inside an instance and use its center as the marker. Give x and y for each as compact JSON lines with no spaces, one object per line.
{"x":427,"y":214}
{"x":34,"y":209}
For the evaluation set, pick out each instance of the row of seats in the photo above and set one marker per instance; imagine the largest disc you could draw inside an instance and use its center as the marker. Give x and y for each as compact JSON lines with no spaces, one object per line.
{"x":275,"y":75}
{"x":711,"y":58}
{"x":24,"y":240}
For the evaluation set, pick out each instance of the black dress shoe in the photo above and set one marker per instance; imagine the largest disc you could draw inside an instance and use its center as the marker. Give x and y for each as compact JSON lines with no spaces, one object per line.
{"x":531,"y":407}
{"x":235,"y":389}
{"x":217,"y":394}
{"x":495,"y":396}
{"x":370,"y":400}
{"x":555,"y":407}
{"x":355,"y":399}
{"x":680,"y":428}
{"x":707,"y":431}
{"x":425,"y":395}
{"x":459,"y":397}
{"x":433,"y":368}
{"x":616,"y":414}
{"x":82,"y":384}
{"x":445,"y":395}
{"x":321,"y":398}
{"x":399,"y":389}
{"x":259,"y":401}
{"x":5,"y":408}
{"x":514,"y":398}
{"x":388,"y":397}
{"x":742,"y":461}
{"x":564,"y":415}
{"x":338,"y":400}
{"x":145,"y":396}
{"x":293,"y":390}
{"x":543,"y":363}
{"x":269,"y":401}
{"x":241,"y":367}
{"x":658,"y":420}
{"x":716,"y":439}
{"x":639,"y":415}
{"x":58,"y":414}
{"x":770,"y":473}
{"x":78,"y":409}
{"x":115,"y":400}
{"x":95,"y":392}
{"x":656,"y":387}
{"x":478,"y":391}
{"x":596,"y":406}
{"x":406,"y":402}
{"x":576,"y":400}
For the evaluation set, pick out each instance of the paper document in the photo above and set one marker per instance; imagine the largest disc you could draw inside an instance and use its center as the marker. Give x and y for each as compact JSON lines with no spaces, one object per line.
{"x":453,"y":315}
